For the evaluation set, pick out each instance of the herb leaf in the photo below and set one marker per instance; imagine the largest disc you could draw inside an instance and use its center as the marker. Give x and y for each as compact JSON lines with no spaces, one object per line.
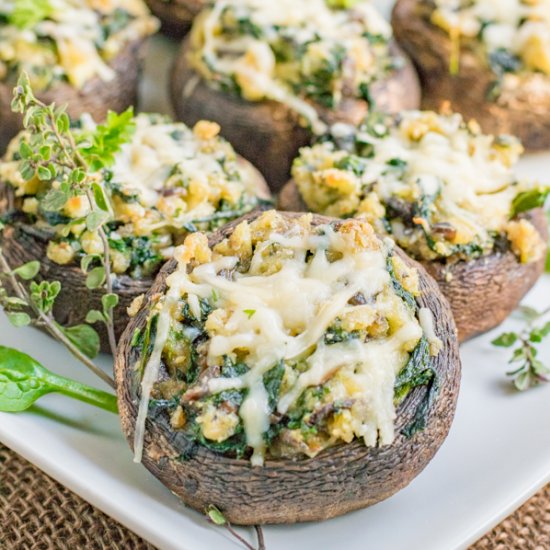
{"x":84,"y":337}
{"x":28,"y":271}
{"x":108,"y":139}
{"x":528,"y":371}
{"x":528,"y":200}
{"x":23,"y":381}
{"x":215,"y":515}
{"x":505,"y":340}
{"x":27,"y":13}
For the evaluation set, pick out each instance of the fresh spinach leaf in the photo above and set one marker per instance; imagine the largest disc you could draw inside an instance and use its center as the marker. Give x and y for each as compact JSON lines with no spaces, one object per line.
{"x":23,"y":381}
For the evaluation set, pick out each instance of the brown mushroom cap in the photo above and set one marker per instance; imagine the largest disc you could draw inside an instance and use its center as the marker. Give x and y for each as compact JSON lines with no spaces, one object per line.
{"x":22,"y":243}
{"x":430,"y":48}
{"x":340,"y":479}
{"x":176,"y":16}
{"x":482,"y":292}
{"x":96,"y":97}
{"x":269,"y":133}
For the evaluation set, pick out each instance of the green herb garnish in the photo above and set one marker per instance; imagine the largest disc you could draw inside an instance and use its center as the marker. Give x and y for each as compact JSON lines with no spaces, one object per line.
{"x":528,"y":200}
{"x":28,"y":13}
{"x":23,"y":381}
{"x":529,"y":371}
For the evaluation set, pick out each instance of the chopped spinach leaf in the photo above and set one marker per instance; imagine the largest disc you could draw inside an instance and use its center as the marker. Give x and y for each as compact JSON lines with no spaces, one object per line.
{"x":407,"y":297}
{"x":272,"y":382}
{"x":336,"y":334}
{"x":417,"y":371}
{"x":352,"y":163}
{"x":232,"y":369}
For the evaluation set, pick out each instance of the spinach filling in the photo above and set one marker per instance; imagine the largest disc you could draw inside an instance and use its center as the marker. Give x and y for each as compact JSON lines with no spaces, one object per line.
{"x":417,"y":372}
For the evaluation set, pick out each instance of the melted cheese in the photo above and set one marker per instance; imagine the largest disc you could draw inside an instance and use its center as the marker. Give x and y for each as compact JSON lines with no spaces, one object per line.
{"x":159,"y":150}
{"x":249,"y":58}
{"x":77,"y":29}
{"x":282,"y":315}
{"x":469,"y":177}
{"x":519,"y":27}
{"x":164,"y":177}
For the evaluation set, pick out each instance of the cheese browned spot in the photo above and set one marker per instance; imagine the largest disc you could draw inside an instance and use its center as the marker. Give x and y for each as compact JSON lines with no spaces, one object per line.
{"x":440,"y":187}
{"x":298,"y":336}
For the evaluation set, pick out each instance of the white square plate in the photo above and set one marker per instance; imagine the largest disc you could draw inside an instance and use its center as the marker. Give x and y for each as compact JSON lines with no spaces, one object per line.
{"x":496,"y":456}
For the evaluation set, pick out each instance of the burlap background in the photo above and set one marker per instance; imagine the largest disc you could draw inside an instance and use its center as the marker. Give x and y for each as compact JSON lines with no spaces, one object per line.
{"x":36,"y":513}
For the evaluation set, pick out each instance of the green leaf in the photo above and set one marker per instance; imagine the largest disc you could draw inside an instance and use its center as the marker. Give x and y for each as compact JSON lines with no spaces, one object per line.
{"x":63,"y":123}
{"x":518,"y":355}
{"x":272,"y":380}
{"x":45,"y":152}
{"x":249,"y":312}
{"x":545,"y":329}
{"x":23,"y":381}
{"x":528,"y":200}
{"x":25,"y":150}
{"x":44,"y":173}
{"x":417,"y":372}
{"x":108,"y":138}
{"x":95,"y":316}
{"x":87,"y":260}
{"x":215,"y":515}
{"x":95,"y":219}
{"x":84,"y":337}
{"x":28,"y":271}
{"x":18,"y":318}
{"x":27,"y":171}
{"x":28,"y":13}
{"x":14,"y":301}
{"x":526,"y":313}
{"x":523,"y":381}
{"x":95,"y":278}
{"x":109,"y":301}
{"x":540,"y":368}
{"x":54,"y":200}
{"x":77,"y":175}
{"x":505,"y":340}
{"x":43,"y":294}
{"x":100,"y":198}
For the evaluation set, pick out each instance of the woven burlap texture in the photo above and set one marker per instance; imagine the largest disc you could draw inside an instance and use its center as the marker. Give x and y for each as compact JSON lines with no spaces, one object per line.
{"x":36,"y":513}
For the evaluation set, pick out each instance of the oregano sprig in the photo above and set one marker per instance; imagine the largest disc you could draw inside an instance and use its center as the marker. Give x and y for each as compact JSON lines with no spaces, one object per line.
{"x":73,"y":165}
{"x":529,"y":370}
{"x":33,"y":305}
{"x":216,"y":517}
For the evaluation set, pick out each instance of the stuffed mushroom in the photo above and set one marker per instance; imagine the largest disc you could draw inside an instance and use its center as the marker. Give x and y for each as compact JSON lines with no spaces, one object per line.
{"x":288,"y":368}
{"x":490,"y":59}
{"x":449,"y":196}
{"x":166,"y":180}
{"x":275,"y":73}
{"x":86,"y":53}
